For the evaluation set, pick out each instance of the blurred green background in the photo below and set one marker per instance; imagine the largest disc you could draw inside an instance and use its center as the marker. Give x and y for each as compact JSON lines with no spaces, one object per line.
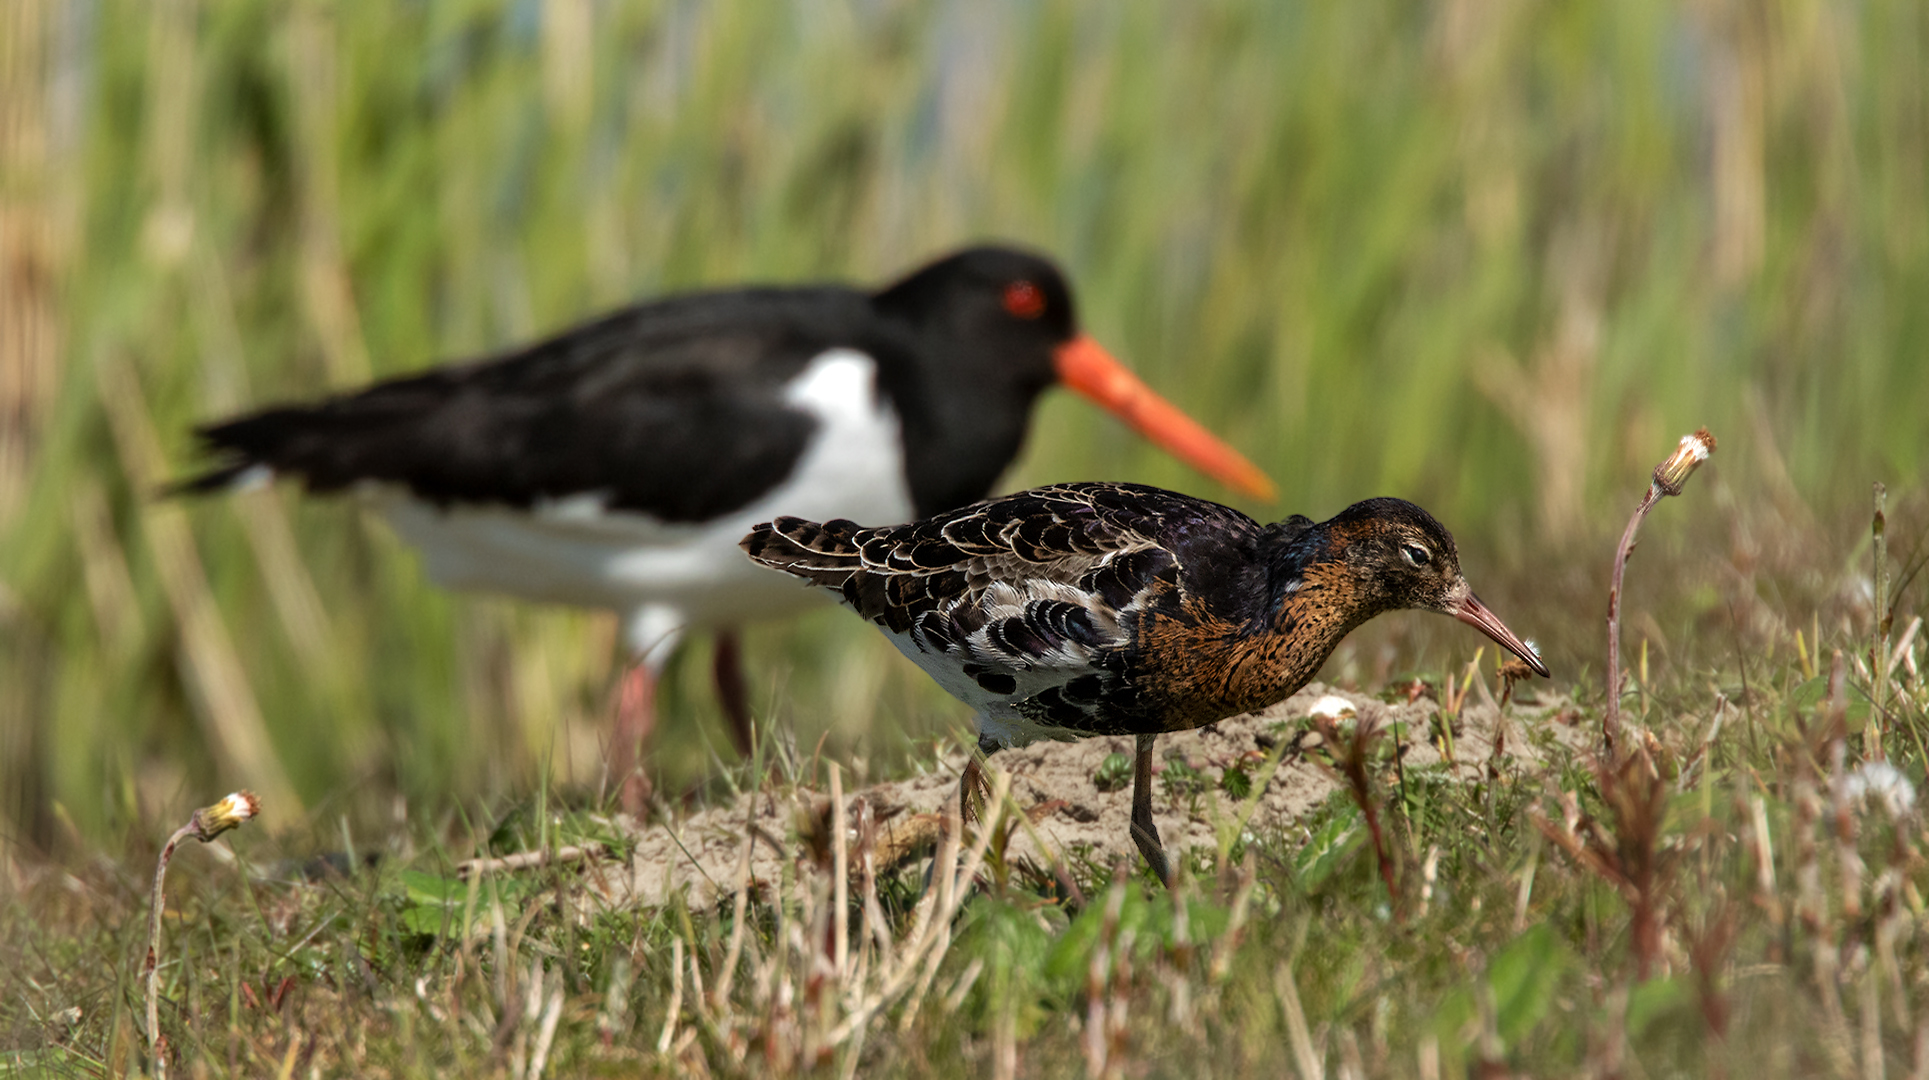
{"x":1491,"y":255}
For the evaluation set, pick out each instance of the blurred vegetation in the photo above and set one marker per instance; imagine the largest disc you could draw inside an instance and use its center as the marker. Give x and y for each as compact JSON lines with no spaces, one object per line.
{"x":1490,"y":255}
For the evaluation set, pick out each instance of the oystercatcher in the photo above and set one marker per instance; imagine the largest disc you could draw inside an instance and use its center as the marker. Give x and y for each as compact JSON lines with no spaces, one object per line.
{"x":1118,"y":609}
{"x":616,"y":464}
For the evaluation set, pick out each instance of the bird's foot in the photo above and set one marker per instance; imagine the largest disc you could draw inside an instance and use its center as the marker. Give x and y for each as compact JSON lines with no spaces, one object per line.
{"x":974,"y":790}
{"x":1146,"y":836}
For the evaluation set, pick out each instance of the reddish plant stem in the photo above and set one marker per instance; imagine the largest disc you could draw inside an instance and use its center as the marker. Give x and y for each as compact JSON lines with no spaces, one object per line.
{"x":150,"y":970}
{"x":1884,"y":622}
{"x":1611,"y":724}
{"x":204,"y":825}
{"x":1365,"y":798}
{"x":1352,"y":766}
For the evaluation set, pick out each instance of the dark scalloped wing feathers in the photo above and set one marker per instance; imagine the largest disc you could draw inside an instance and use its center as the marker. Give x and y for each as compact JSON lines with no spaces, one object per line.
{"x":1029,"y":596}
{"x":1106,"y":540}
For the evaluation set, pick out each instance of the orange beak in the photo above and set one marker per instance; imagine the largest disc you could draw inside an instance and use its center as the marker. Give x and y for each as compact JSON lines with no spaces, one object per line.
{"x":1085,"y":366}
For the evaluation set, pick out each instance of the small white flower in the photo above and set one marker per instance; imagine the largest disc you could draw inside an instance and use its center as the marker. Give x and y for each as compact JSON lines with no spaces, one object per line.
{"x":1333,"y":707}
{"x":1878,"y":783}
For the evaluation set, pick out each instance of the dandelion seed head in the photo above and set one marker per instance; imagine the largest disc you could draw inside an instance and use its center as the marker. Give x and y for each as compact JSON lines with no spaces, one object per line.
{"x":1687,"y":457}
{"x":1878,"y":783}
{"x":236,"y":808}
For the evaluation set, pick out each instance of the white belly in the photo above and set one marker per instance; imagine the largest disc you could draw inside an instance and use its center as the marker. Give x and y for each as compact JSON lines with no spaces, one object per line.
{"x":575,"y":551}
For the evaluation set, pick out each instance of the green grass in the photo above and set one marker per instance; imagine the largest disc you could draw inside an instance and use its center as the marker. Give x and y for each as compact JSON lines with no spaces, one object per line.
{"x":1491,"y":257}
{"x":1782,"y":907}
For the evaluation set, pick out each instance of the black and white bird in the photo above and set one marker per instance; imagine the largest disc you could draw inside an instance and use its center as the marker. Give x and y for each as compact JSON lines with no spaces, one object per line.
{"x":1118,"y":609}
{"x":617,"y":464}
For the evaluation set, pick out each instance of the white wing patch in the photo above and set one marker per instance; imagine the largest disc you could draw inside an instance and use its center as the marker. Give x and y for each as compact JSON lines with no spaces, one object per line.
{"x":1010,"y":658}
{"x":253,"y":477}
{"x":1005,"y":601}
{"x":577,"y":550}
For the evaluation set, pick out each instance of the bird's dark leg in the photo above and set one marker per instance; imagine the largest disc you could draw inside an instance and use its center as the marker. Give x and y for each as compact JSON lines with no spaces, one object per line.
{"x":1144,"y":832}
{"x":727,"y":667}
{"x":635,"y":719}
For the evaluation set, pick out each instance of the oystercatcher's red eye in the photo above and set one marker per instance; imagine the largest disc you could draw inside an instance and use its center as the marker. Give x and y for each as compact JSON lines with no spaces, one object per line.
{"x":1024,"y":300}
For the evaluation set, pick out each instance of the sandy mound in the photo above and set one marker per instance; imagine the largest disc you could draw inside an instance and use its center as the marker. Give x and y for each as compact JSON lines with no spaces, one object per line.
{"x":1072,"y":820}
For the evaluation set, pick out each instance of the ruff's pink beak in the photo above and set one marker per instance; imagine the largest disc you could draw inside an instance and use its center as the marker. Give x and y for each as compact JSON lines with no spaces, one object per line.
{"x":1481,"y":617}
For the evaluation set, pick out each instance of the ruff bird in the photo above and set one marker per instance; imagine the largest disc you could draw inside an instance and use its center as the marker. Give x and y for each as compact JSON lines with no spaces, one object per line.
{"x":1116,"y":609}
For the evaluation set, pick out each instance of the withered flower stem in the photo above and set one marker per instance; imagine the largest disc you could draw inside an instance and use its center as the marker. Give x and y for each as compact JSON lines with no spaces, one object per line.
{"x":1884,"y":623}
{"x":204,"y":825}
{"x":1668,"y":478}
{"x":1351,"y":752}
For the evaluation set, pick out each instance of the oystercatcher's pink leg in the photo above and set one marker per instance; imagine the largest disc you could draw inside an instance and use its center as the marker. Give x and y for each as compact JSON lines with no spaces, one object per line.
{"x":652,"y":633}
{"x":635,"y":719}
{"x":727,"y":667}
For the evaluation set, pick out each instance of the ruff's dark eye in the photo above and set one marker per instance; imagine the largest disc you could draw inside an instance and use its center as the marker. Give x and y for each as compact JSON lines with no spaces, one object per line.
{"x":1416,"y":554}
{"x":1024,"y":300}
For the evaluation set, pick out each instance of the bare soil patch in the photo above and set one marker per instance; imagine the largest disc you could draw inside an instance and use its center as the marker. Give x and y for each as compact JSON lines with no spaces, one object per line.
{"x":1071,"y":819}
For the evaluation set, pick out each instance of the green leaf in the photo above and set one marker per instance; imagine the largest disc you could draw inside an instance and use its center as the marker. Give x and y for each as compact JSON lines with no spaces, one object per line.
{"x":1653,"y":1000}
{"x":1236,"y":782}
{"x":1183,"y":780}
{"x":1523,"y":976}
{"x":424,"y":888}
{"x":1114,"y":772}
{"x":1331,"y":845}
